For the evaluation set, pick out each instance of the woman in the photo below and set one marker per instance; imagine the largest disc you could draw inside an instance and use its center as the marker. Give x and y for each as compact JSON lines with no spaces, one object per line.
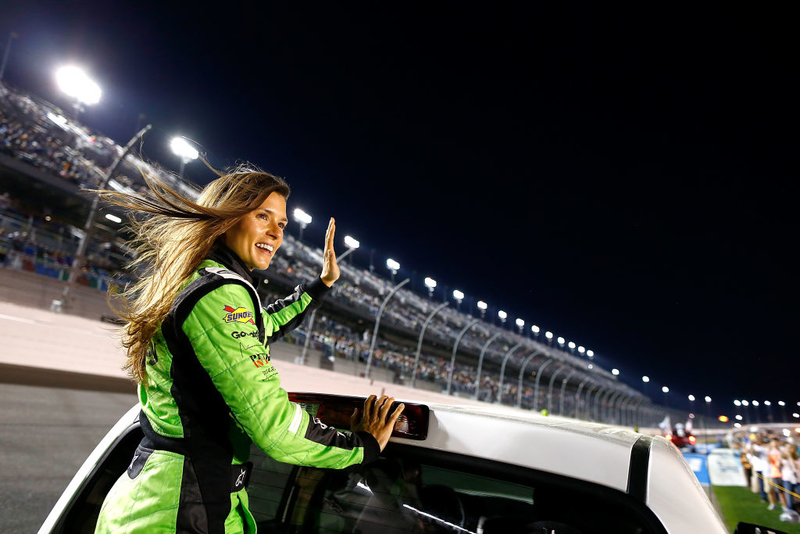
{"x":197,"y":343}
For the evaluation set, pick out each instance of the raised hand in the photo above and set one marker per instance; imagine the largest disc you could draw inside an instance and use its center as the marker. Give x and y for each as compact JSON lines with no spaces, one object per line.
{"x":330,"y":269}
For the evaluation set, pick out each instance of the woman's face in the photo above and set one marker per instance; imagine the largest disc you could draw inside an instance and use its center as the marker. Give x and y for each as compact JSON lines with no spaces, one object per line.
{"x":256,"y":238}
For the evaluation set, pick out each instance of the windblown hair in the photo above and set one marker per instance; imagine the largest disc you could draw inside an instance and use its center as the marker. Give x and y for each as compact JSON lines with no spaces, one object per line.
{"x":174,"y":235}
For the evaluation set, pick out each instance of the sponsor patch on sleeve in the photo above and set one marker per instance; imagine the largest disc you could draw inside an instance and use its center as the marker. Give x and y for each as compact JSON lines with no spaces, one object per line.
{"x":238,"y":315}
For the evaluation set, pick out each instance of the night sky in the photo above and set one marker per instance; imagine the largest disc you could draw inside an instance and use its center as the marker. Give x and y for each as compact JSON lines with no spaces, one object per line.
{"x":624,"y":177}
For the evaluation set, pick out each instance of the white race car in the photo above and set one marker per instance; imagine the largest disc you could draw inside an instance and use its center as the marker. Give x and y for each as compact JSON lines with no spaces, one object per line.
{"x":449,"y":469}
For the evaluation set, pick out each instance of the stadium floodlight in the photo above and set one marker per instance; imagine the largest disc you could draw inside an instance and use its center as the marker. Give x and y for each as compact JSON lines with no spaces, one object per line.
{"x":351,"y":245}
{"x":645,"y":379}
{"x":738,"y":417}
{"x":737,"y":425}
{"x":767,"y":403}
{"x":185,"y":151}
{"x":75,"y":83}
{"x":590,"y":366}
{"x":482,"y":305}
{"x":571,"y":345}
{"x":350,"y":242}
{"x":114,"y":218}
{"x":535,"y":329}
{"x":393,"y":267}
{"x":781,"y":403}
{"x":430,"y":283}
{"x":755,"y":403}
{"x":691,"y":398}
{"x":796,"y":415}
{"x":745,"y":403}
{"x":581,"y":349}
{"x":520,"y":322}
{"x":502,"y":315}
{"x":303,"y":219}
{"x":548,"y":335}
{"x":737,"y":403}
{"x":561,"y":340}
{"x":665,"y":389}
{"x":590,"y":353}
{"x":615,"y":372}
{"x":458,"y":295}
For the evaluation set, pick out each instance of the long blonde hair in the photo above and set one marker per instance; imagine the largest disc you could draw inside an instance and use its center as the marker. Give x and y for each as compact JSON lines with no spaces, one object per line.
{"x":172,"y":239}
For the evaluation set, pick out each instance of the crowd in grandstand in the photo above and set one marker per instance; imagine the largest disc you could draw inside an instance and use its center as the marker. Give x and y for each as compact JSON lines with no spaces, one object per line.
{"x":37,"y":133}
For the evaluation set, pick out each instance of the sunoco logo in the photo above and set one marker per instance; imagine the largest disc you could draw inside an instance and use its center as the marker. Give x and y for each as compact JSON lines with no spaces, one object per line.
{"x":238,"y":315}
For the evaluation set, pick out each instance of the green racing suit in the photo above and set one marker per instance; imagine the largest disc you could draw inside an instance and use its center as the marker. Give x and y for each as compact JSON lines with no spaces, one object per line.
{"x":211,"y":391}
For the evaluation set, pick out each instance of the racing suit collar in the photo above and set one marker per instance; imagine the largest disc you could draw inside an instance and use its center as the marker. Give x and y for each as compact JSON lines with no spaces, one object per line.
{"x":220,"y":253}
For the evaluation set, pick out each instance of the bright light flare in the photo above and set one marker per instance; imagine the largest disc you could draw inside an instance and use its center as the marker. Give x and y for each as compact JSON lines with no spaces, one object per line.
{"x":350,"y":242}
{"x":482,"y":305}
{"x":503,"y":315}
{"x":74,"y":82}
{"x":302,"y":217}
{"x":181,"y":148}
{"x":430,"y":282}
{"x":458,"y":295}
{"x":392,"y":265}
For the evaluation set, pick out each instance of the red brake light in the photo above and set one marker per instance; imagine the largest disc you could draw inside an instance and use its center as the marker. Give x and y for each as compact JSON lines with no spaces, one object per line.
{"x":669,"y":437}
{"x":335,"y":411}
{"x":692,"y":440}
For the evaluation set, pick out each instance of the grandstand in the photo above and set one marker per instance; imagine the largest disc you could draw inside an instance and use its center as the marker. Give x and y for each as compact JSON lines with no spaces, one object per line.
{"x":46,"y":159}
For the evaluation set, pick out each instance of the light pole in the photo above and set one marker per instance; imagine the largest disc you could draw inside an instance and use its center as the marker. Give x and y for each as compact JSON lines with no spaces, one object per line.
{"x":303,"y":219}
{"x":768,"y":404}
{"x":430,"y":283}
{"x":503,"y":371}
{"x":374,"y":341}
{"x":549,"y":336}
{"x":185,"y":152}
{"x":581,"y":350}
{"x":351,"y":244}
{"x":503,"y":316}
{"x":708,"y":403}
{"x":561,"y":342}
{"x":550,"y":387}
{"x":480,"y":364}
{"x":755,"y":411}
{"x":470,"y":324}
{"x":535,"y":329}
{"x":520,"y":324}
{"x":665,"y":390}
{"x":11,"y":37}
{"x":459,"y":296}
{"x":536,"y":384}
{"x":564,"y":391}
{"x":88,"y":227}
{"x":783,"y":410}
{"x":428,"y":319}
{"x":76,"y":84}
{"x":645,"y":381}
{"x":393,"y":267}
{"x":571,"y":346}
{"x":522,"y":377}
{"x":482,"y":306}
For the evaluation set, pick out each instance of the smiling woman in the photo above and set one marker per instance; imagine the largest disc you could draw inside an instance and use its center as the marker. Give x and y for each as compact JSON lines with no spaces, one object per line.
{"x":197,"y":341}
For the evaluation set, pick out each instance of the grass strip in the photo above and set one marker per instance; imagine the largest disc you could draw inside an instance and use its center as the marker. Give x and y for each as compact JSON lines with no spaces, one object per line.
{"x":741,"y":504}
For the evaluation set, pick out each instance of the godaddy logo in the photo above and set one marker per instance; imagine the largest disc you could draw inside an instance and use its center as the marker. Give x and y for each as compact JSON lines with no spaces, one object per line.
{"x":238,"y":315}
